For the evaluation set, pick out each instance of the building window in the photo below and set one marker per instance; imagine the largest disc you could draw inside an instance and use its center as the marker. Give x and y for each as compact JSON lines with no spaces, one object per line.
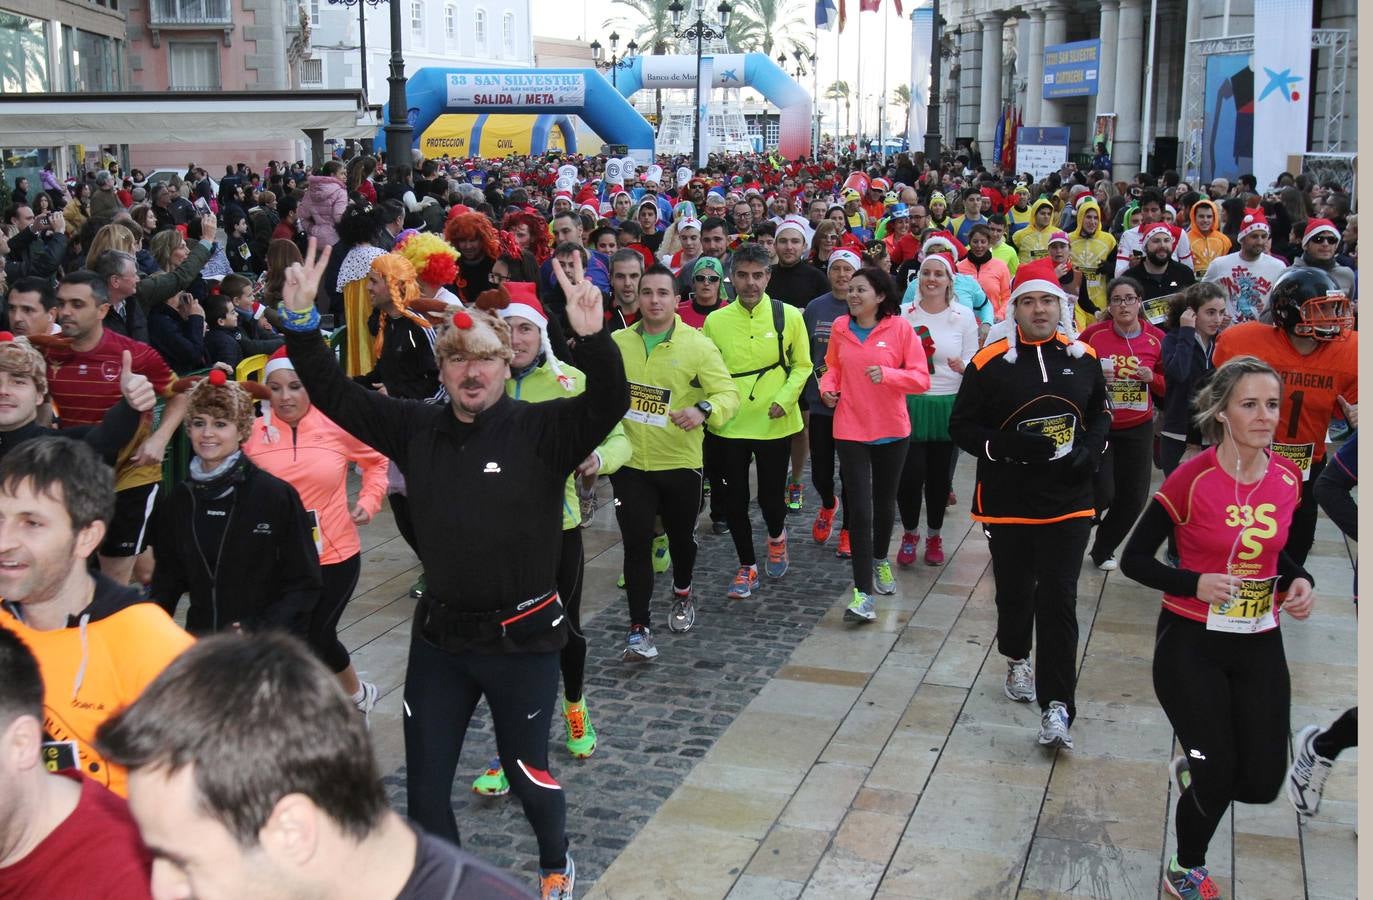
{"x":314,"y":12}
{"x":23,"y":55}
{"x":311,"y":72}
{"x":193,"y":66}
{"x":92,"y":61}
{"x":508,"y":33}
{"x":417,"y":17}
{"x":450,"y":21}
{"x":479,"y":28}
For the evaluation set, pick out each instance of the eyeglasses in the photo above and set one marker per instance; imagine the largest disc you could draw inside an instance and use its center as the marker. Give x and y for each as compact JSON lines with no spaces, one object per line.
{"x":1127,"y":300}
{"x":707,"y":279}
{"x":1324,"y":239}
{"x":497,"y":279}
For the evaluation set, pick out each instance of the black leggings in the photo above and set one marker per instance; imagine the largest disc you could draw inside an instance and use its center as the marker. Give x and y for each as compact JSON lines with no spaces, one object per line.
{"x":1122,"y":486}
{"x":674,"y":495}
{"x":1228,"y":697}
{"x":928,"y":471}
{"x":1301,"y":534}
{"x":1036,"y":569}
{"x":441,"y":691}
{"x":1340,"y":736}
{"x":713,"y":467}
{"x":773,"y":457}
{"x":573,"y":657}
{"x":822,"y":456}
{"x":339,"y":580}
{"x":871,"y":472}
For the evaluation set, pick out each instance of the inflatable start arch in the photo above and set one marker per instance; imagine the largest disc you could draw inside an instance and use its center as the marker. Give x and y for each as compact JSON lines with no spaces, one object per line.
{"x":433,"y":92}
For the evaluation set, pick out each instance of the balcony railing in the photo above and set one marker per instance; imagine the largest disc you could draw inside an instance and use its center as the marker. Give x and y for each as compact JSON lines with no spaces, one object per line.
{"x":173,"y":13}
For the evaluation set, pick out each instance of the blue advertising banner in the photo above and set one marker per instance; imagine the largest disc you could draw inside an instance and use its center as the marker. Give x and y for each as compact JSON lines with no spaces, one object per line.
{"x":1070,"y":70}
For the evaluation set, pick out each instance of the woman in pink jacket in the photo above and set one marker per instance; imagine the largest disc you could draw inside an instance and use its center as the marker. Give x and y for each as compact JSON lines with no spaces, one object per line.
{"x":873,"y":361}
{"x":326,"y":197}
{"x":308,"y":451}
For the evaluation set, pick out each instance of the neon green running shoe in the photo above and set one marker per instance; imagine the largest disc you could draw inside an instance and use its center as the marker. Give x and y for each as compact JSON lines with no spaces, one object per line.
{"x":492,"y":782}
{"x":581,"y":734}
{"x":662,"y":560}
{"x":620,"y":582}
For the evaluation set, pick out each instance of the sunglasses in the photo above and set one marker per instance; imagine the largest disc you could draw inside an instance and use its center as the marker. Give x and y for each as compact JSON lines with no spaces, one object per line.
{"x":708,"y":279}
{"x":1324,"y":239}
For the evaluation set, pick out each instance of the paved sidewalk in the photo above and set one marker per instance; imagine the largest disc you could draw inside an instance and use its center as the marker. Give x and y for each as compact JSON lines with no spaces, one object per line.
{"x":779,"y":752}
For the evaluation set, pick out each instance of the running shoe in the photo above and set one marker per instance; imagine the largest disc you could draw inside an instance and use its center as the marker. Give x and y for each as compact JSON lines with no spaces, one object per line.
{"x":1174,"y":560}
{"x":620,"y":582}
{"x":683,"y":614}
{"x":1108,"y":564}
{"x":719,"y":526}
{"x":588,"y":503}
{"x":705,"y":487}
{"x":1306,"y":777}
{"x":883,"y":580}
{"x":662,"y":560}
{"x":492,"y":782}
{"x":581,"y":734}
{"x":861,"y":609}
{"x":639,"y":646}
{"x":953,"y":499}
{"x":844,"y":550}
{"x":1189,"y":884}
{"x":906,"y":555}
{"x":419,"y":587}
{"x":824,"y":524}
{"x":744,"y":584}
{"x":367,"y":700}
{"x":1020,"y":681}
{"x":1053,"y":726}
{"x":778,"y":558}
{"x":1339,"y":430}
{"x":934,"y":550}
{"x":1180,"y":773}
{"x":558,"y":885}
{"x":796,"y":497}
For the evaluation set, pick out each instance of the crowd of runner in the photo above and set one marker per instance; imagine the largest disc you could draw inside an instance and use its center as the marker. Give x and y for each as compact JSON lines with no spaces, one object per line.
{"x":191,"y":370}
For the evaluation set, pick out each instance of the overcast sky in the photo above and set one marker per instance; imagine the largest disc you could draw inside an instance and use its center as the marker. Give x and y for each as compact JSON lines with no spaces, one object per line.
{"x":838,"y":55}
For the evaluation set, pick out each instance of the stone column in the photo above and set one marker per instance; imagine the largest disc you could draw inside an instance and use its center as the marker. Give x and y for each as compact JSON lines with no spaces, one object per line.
{"x":1129,"y":88}
{"x":1055,"y":32}
{"x":1106,"y":73}
{"x":1034,"y":86}
{"x":970,"y":92}
{"x":991,"y":83}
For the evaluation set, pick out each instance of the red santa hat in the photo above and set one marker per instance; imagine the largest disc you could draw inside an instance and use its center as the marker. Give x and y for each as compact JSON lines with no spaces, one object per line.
{"x":1040,"y":276}
{"x":1148,"y":231}
{"x":521,"y":299}
{"x":1319,"y":226}
{"x":276,"y":362}
{"x":1253,"y":220}
{"x":942,"y":257}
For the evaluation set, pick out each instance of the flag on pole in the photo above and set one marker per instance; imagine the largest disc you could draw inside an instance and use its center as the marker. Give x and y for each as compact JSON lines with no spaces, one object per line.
{"x":999,"y":140}
{"x":869,"y":5}
{"x":843,"y":15}
{"x":898,"y":9}
{"x":1013,"y":122}
{"x":826,"y":14}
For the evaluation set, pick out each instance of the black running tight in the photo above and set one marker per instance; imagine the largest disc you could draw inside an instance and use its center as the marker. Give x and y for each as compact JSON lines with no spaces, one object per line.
{"x":822,"y":461}
{"x":927,"y":474}
{"x":573,"y":657}
{"x":338,"y":581}
{"x":1228,"y":697}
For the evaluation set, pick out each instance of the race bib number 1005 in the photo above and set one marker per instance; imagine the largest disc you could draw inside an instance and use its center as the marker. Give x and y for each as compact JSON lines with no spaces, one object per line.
{"x":1060,"y":428}
{"x":648,"y":405}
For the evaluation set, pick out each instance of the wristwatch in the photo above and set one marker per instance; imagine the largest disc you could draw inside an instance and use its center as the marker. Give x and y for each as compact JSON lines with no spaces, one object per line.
{"x":705,"y":408}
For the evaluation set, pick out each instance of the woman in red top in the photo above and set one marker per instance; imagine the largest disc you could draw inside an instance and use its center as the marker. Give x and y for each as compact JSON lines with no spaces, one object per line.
{"x":308,"y":451}
{"x":873,"y":360}
{"x":1131,"y":353}
{"x":1219,"y":667}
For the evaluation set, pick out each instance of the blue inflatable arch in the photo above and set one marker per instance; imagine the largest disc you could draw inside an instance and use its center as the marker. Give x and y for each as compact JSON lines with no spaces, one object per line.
{"x":432,"y":92}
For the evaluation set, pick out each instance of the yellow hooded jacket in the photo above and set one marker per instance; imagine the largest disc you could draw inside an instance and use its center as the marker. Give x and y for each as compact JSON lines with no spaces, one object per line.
{"x":1207,"y":246}
{"x":1091,"y":252}
{"x":1032,"y":242}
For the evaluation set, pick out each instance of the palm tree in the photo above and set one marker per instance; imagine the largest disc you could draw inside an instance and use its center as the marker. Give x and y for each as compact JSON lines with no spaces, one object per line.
{"x":901,"y":96}
{"x":652,"y":24}
{"x":840,"y":91}
{"x":766,"y":24}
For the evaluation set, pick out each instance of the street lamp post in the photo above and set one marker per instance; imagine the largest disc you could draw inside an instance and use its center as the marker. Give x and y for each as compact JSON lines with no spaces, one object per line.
{"x":698,"y":31}
{"x":932,"y":136}
{"x":615,"y":63}
{"x":399,"y":134}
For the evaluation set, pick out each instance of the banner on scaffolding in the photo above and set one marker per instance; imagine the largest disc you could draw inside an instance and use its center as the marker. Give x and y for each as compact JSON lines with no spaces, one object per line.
{"x":922,"y":33}
{"x":1282,"y":82}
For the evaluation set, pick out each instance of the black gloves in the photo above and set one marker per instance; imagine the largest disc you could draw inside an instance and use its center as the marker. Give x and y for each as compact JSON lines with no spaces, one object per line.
{"x":1021,"y":446}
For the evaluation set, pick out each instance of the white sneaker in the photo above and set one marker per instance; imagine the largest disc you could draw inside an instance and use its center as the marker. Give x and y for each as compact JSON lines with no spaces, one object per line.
{"x":1306,"y":778}
{"x":367,"y":700}
{"x":1108,"y":564}
{"x":1053,"y":726}
{"x":1020,"y":681}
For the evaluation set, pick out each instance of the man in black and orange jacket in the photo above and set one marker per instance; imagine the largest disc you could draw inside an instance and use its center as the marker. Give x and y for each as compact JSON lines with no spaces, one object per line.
{"x":1033,"y":409}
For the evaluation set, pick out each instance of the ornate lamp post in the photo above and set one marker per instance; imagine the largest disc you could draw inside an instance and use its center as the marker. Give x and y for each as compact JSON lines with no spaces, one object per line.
{"x":399,"y":134}
{"x":615,"y":63}
{"x":699,"y":31}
